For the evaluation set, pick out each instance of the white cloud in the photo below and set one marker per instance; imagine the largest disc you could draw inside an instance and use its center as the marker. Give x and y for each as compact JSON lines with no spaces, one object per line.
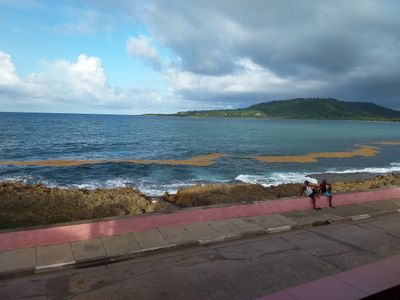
{"x":7,"y":70}
{"x":80,"y":87}
{"x":86,"y":76}
{"x":61,"y":85}
{"x":249,"y":78}
{"x":141,"y":47}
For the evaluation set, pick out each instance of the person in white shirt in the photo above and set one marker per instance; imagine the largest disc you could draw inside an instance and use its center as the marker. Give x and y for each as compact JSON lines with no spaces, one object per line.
{"x":310,"y":191}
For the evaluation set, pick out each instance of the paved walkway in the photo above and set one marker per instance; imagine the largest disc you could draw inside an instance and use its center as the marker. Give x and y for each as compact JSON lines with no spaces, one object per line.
{"x":39,"y":250}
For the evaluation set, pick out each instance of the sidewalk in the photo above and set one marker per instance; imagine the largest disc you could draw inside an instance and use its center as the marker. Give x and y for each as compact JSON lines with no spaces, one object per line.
{"x":380,"y":280}
{"x":77,"y":245}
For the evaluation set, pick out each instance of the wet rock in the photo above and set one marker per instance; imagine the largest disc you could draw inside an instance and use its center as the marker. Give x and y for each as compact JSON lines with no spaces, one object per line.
{"x":26,"y":205}
{"x":202,"y":195}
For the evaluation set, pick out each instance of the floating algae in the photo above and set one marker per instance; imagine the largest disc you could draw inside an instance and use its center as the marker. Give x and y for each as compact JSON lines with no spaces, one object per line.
{"x":198,"y":161}
{"x":363,"y":151}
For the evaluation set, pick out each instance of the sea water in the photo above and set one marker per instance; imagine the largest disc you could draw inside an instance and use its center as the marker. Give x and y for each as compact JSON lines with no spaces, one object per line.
{"x":103,"y":142}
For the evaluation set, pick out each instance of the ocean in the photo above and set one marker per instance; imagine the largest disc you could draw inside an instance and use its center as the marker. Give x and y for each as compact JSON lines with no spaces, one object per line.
{"x":158,"y":154}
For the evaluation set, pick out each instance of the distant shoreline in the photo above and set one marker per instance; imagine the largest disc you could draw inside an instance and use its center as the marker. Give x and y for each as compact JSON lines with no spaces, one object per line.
{"x":198,"y":117}
{"x":263,"y":118}
{"x":301,"y":109}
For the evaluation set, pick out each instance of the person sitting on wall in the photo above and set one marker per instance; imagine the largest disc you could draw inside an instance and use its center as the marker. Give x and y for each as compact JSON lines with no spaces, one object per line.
{"x":310,"y":191}
{"x":326,"y":190}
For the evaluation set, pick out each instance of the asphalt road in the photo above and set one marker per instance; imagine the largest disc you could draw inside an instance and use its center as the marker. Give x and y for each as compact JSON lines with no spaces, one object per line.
{"x":244,"y":269}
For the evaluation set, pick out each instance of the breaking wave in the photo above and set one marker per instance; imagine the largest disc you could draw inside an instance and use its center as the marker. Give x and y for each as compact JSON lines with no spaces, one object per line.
{"x":275,"y":178}
{"x":148,"y":187}
{"x":157,"y":188}
{"x":394,"y":167}
{"x":297,"y":177}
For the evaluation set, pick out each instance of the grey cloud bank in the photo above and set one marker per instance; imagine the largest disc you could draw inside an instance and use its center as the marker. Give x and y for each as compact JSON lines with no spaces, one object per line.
{"x":349,"y":49}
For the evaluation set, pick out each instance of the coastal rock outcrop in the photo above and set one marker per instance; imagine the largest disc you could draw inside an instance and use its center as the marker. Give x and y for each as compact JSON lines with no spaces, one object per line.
{"x":209,"y":194}
{"x":27,"y":205}
{"x":375,"y":182}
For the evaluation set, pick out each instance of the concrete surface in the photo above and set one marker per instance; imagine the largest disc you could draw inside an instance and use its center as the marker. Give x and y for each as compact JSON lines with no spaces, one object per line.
{"x":248,"y":268}
{"x":48,"y":249}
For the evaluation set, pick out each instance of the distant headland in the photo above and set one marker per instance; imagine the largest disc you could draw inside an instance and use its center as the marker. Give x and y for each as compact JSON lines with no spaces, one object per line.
{"x":301,"y":108}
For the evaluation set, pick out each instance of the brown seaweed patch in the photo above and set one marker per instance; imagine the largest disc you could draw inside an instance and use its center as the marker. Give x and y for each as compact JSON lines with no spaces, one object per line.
{"x":198,"y":161}
{"x":308,"y":158}
{"x":388,"y":143}
{"x":363,"y":151}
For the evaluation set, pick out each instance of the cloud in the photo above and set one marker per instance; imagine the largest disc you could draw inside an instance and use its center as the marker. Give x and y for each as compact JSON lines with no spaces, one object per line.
{"x":141,"y":47}
{"x":85,"y":76}
{"x":229,"y":53}
{"x":248,"y":79}
{"x":348,"y":48}
{"x":7,"y":70}
{"x":62,"y":84}
{"x":80,"y":86}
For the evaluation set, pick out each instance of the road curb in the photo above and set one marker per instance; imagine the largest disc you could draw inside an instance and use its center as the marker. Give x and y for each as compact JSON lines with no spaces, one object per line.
{"x":280,"y":229}
{"x":360,"y":217}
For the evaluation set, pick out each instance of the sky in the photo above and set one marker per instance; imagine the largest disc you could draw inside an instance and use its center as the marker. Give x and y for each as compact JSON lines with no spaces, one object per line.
{"x":163,"y":56}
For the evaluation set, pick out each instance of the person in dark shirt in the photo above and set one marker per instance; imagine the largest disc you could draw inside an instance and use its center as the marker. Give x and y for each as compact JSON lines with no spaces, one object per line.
{"x":325,"y":189}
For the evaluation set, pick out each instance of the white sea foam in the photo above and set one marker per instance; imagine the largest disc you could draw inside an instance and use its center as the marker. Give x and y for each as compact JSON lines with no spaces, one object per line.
{"x":157,"y":188}
{"x":27,"y":179}
{"x":148,"y":187}
{"x":153,"y":188}
{"x":275,"y":178}
{"x":394,"y":167}
{"x":108,"y":184}
{"x":296,"y":177}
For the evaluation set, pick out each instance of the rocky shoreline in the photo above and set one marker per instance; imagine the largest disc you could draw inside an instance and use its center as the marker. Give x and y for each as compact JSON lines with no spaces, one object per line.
{"x":204,"y":195}
{"x":29,"y":205}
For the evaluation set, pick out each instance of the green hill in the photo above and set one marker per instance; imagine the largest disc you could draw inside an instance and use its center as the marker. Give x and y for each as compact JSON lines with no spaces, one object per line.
{"x":304,"y":108}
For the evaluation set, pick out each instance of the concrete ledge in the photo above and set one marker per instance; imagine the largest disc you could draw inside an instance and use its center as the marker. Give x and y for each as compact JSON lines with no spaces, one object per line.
{"x":248,"y":228}
{"x":279,"y":229}
{"x":204,"y":233}
{"x":227,"y":229}
{"x":360,"y":217}
{"x":53,"y":267}
{"x":17,"y":262}
{"x":180,"y":236}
